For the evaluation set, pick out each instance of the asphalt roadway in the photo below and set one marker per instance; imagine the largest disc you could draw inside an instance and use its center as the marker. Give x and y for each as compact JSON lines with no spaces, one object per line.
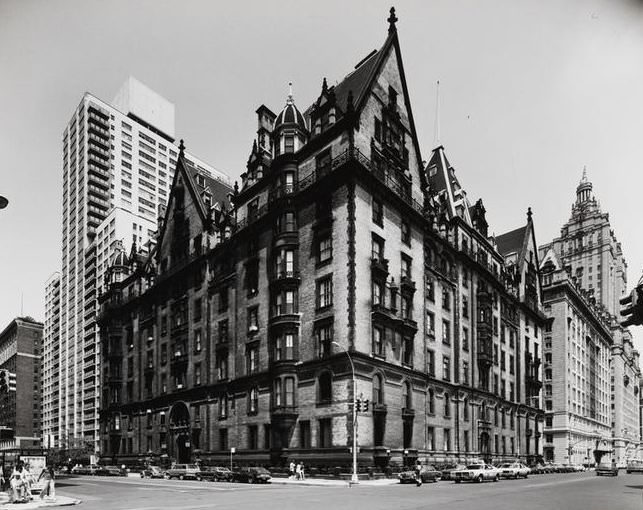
{"x":573,"y":491}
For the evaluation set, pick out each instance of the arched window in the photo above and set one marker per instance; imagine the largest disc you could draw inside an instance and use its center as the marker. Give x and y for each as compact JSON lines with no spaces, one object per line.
{"x":447,"y":405}
{"x":378,"y":391}
{"x":431,"y":401}
{"x":407,"y":395}
{"x":483,"y":411}
{"x":325,"y":383}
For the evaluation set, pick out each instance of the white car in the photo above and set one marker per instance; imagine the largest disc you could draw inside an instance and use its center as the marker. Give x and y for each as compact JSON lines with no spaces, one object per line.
{"x":476,"y":473}
{"x":514,"y":470}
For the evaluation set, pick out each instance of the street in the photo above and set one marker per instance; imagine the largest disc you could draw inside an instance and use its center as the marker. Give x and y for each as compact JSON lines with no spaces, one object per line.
{"x":582,"y":491}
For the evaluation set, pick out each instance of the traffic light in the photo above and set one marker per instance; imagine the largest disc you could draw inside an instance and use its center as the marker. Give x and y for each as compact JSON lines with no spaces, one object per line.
{"x":4,"y":381}
{"x":12,"y":381}
{"x":365,"y":409}
{"x":358,"y":405}
{"x":632,"y":307}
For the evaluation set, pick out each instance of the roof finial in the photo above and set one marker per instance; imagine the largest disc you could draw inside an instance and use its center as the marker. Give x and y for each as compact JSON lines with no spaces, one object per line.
{"x":436,"y":128}
{"x":290,"y":99}
{"x":181,"y":148}
{"x":529,"y":213}
{"x":584,"y":178}
{"x":324,"y":85}
{"x":392,"y":19}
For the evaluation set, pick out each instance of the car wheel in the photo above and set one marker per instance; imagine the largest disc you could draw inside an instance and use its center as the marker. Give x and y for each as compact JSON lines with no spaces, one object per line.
{"x":181,"y":477}
{"x":479,"y":478}
{"x":198,"y":478}
{"x":495,"y":478}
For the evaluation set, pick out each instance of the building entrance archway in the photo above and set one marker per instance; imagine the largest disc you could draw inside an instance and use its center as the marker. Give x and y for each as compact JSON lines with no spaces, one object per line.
{"x":180,"y":430}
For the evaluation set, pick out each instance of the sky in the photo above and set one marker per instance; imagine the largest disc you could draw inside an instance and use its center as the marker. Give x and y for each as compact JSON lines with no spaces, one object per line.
{"x":530,"y":92}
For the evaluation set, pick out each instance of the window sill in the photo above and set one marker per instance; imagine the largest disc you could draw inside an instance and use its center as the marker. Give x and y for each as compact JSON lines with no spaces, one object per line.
{"x":323,"y":263}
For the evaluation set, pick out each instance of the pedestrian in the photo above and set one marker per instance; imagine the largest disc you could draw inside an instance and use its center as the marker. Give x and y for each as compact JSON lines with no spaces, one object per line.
{"x":302,"y":472}
{"x":48,"y":475}
{"x":418,"y":474}
{"x":27,"y":479}
{"x":298,"y":471}
{"x":292,"y":470}
{"x":17,"y":484}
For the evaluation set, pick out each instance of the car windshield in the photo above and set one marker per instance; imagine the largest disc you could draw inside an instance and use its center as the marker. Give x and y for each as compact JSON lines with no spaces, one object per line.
{"x":506,"y":465}
{"x":475,"y":466}
{"x":262,"y":471}
{"x":191,"y":466}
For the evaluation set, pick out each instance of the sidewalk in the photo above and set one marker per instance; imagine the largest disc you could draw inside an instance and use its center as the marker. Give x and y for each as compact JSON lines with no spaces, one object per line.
{"x":36,"y":503}
{"x":325,"y":482}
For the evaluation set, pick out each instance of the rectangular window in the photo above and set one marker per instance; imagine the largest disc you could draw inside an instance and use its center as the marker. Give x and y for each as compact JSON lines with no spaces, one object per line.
{"x":446,"y":299}
{"x":324,"y":294}
{"x":324,"y":339}
{"x":465,"y":339}
{"x":289,"y":144}
{"x":324,"y":249}
{"x":446,"y":368}
{"x":430,"y":324}
{"x":304,"y":434}
{"x":430,"y":438}
{"x":406,"y":233}
{"x":465,"y":307}
{"x":197,"y":374}
{"x":252,"y":359}
{"x":447,"y":440}
{"x":223,"y":299}
{"x":378,"y":212}
{"x":253,"y":319}
{"x":465,"y":372}
{"x":430,"y":361}
{"x":197,"y":341}
{"x":406,"y":263}
{"x":446,"y":332}
{"x":377,"y":248}
{"x":325,"y":433}
{"x":223,"y":331}
{"x":378,"y":341}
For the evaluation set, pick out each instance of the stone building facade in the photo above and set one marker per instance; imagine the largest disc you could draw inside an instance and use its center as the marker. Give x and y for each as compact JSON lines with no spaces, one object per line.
{"x":590,"y":253}
{"x":20,"y":355}
{"x":577,"y":359}
{"x":341,"y":256}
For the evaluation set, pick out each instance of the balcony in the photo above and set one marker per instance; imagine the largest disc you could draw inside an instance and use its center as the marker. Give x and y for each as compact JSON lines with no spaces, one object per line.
{"x":407,"y":285}
{"x":284,"y":314}
{"x":285,"y":276}
{"x":282,"y":191}
{"x":379,"y":265}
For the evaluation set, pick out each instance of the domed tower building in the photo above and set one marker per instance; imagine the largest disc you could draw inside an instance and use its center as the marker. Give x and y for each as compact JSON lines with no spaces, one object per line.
{"x":290,"y":132}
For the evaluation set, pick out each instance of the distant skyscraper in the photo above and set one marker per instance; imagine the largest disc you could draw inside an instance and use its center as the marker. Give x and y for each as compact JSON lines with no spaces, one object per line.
{"x":50,"y":361}
{"x":118,"y":165}
{"x":590,"y":253}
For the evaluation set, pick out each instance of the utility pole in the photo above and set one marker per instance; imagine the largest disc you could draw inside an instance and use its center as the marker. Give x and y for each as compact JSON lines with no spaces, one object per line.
{"x":354,"y":478}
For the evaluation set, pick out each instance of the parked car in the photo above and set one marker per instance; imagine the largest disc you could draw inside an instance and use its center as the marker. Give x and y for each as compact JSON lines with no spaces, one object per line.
{"x":217,"y":474}
{"x":152,"y":472}
{"x":606,"y":470}
{"x":252,"y":475}
{"x":85,"y":470}
{"x":476,"y":473}
{"x":513,"y":470}
{"x":446,"y":473}
{"x":634,"y":466}
{"x":111,"y":471}
{"x":184,"y":471}
{"x":427,"y":474}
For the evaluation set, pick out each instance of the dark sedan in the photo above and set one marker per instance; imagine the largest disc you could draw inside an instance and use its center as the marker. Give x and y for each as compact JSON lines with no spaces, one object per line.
{"x":217,"y":474}
{"x":427,"y":474}
{"x":252,"y":475}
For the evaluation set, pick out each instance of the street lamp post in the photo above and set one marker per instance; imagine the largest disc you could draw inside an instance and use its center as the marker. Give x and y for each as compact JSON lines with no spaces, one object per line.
{"x":354,"y":478}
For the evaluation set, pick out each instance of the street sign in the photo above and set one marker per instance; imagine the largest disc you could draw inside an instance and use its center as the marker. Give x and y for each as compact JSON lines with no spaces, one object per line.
{"x":233,"y":450}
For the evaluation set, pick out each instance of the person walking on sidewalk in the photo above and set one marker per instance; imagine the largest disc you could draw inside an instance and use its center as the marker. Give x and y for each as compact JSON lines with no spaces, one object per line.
{"x":418,"y":474}
{"x":302,"y":472}
{"x":298,"y":471}
{"x":48,"y":475}
{"x":292,"y":470}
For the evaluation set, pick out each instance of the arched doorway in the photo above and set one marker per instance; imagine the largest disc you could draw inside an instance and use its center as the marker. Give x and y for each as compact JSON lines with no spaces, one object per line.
{"x":180,"y":431}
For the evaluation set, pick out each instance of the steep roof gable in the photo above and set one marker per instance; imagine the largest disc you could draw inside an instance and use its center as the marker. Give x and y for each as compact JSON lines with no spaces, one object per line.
{"x":444,"y":186}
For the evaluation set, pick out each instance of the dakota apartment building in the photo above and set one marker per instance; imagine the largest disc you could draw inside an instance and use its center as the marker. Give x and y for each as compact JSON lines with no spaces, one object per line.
{"x":340,"y":249}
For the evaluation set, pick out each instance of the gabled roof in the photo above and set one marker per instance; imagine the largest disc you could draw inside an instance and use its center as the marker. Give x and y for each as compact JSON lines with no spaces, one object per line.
{"x":359,"y":82}
{"x":443,"y":184}
{"x":511,"y":242}
{"x":196,"y":183}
